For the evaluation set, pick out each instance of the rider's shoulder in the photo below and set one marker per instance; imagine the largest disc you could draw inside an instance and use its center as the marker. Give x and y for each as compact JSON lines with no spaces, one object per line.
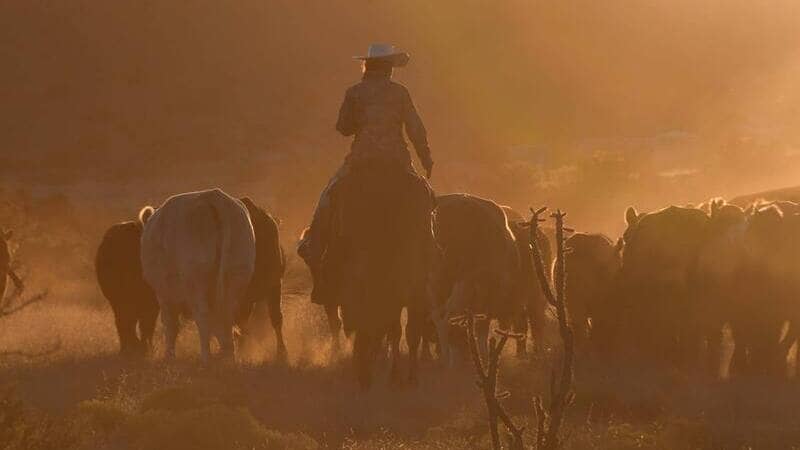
{"x":353,"y":89}
{"x":398,"y":86}
{"x":400,"y":89}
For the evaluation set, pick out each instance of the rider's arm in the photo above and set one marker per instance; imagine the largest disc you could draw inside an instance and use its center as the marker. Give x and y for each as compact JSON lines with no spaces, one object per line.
{"x":347,"y":122}
{"x":415,"y":130}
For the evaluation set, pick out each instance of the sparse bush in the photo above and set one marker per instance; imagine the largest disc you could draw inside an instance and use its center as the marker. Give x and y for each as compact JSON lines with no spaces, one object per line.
{"x":25,"y":429}
{"x":202,"y":416}
{"x":213,"y":427}
{"x":104,"y":416}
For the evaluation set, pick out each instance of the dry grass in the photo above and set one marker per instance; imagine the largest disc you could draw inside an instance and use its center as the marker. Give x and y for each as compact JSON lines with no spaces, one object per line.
{"x":63,"y":387}
{"x":83,"y":396}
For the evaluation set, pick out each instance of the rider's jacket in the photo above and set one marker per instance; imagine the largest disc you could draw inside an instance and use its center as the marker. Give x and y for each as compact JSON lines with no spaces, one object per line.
{"x":375,"y":111}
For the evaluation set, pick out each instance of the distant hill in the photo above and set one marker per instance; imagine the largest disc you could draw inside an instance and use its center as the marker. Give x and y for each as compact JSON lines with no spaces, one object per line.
{"x":791,"y":194}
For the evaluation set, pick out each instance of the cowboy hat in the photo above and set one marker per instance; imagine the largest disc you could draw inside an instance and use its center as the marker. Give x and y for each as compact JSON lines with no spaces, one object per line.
{"x":385,"y":51}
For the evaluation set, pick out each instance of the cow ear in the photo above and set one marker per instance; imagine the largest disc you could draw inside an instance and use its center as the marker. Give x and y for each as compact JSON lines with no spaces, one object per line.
{"x":631,"y":216}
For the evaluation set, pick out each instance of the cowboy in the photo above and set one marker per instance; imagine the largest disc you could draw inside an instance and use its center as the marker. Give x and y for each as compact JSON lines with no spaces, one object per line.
{"x":375,"y":111}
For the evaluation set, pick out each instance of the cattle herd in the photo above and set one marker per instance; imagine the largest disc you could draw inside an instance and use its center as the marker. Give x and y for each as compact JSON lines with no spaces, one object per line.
{"x":678,"y":284}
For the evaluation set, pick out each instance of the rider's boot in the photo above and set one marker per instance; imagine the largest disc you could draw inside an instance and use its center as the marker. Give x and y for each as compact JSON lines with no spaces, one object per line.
{"x":309,"y":250}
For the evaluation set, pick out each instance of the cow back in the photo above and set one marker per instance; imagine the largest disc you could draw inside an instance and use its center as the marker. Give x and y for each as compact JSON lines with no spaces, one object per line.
{"x":199,"y":243}
{"x":269,"y":263}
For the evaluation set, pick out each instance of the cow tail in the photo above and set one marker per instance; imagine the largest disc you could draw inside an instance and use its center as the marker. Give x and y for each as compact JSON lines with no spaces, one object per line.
{"x":222,"y":243}
{"x":145,"y":214}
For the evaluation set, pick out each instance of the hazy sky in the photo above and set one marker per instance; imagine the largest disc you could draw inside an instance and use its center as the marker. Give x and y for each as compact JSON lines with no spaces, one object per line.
{"x":100,"y":79}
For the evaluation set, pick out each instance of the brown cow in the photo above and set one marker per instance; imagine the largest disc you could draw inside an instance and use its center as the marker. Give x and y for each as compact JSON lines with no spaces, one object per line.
{"x":532,"y":293}
{"x":658,"y":307}
{"x":593,"y":263}
{"x":719,"y":275}
{"x":478,"y":269}
{"x":769,"y":283}
{"x":268,"y":275}
{"x":119,"y":274}
{"x":747,"y":273}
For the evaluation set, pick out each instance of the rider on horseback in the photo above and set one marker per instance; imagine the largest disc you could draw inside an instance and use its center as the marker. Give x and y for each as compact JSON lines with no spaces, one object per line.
{"x":375,"y":111}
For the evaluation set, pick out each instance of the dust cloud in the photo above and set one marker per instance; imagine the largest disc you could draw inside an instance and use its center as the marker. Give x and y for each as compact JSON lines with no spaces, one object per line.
{"x":583,"y":105}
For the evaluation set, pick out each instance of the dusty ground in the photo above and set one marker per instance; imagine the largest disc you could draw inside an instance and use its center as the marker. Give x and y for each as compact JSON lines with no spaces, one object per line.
{"x":64,"y":387}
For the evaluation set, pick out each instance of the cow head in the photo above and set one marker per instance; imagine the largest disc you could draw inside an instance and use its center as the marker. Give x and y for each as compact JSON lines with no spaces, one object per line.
{"x":6,"y":235}
{"x":452,"y":338}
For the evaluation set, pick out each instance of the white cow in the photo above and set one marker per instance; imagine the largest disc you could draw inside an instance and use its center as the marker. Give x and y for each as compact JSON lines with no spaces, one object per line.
{"x":198,"y":255}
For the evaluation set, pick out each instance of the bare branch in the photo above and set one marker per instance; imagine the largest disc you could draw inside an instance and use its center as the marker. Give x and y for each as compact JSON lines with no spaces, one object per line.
{"x":561,"y":395}
{"x":487,"y":381}
{"x":18,"y":284}
{"x":32,"y":355}
{"x":8,"y":310}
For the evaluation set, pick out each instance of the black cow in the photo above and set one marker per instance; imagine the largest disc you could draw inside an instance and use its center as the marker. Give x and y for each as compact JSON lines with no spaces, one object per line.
{"x":268,"y":275}
{"x":119,"y":273}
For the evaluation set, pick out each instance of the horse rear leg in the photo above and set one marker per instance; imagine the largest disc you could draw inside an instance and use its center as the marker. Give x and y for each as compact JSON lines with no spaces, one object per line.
{"x":276,"y":318}
{"x":394,"y":335}
{"x":364,"y":351}
{"x":415,"y":328}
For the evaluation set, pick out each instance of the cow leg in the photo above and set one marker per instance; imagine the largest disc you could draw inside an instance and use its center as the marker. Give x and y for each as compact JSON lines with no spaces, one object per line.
{"x":169,"y":318}
{"x":443,"y":331}
{"x":225,"y":338}
{"x":201,"y":318}
{"x":536,"y":320}
{"x":222,"y":323}
{"x":126,"y":329}
{"x":147,"y":326}
{"x":741,"y":363}
{"x":786,"y":345}
{"x":518,"y":326}
{"x":395,"y":333}
{"x":364,"y":350}
{"x":335,"y":326}
{"x":276,"y":318}
{"x":713,"y":356}
{"x":736,"y":363}
{"x":427,"y":340}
